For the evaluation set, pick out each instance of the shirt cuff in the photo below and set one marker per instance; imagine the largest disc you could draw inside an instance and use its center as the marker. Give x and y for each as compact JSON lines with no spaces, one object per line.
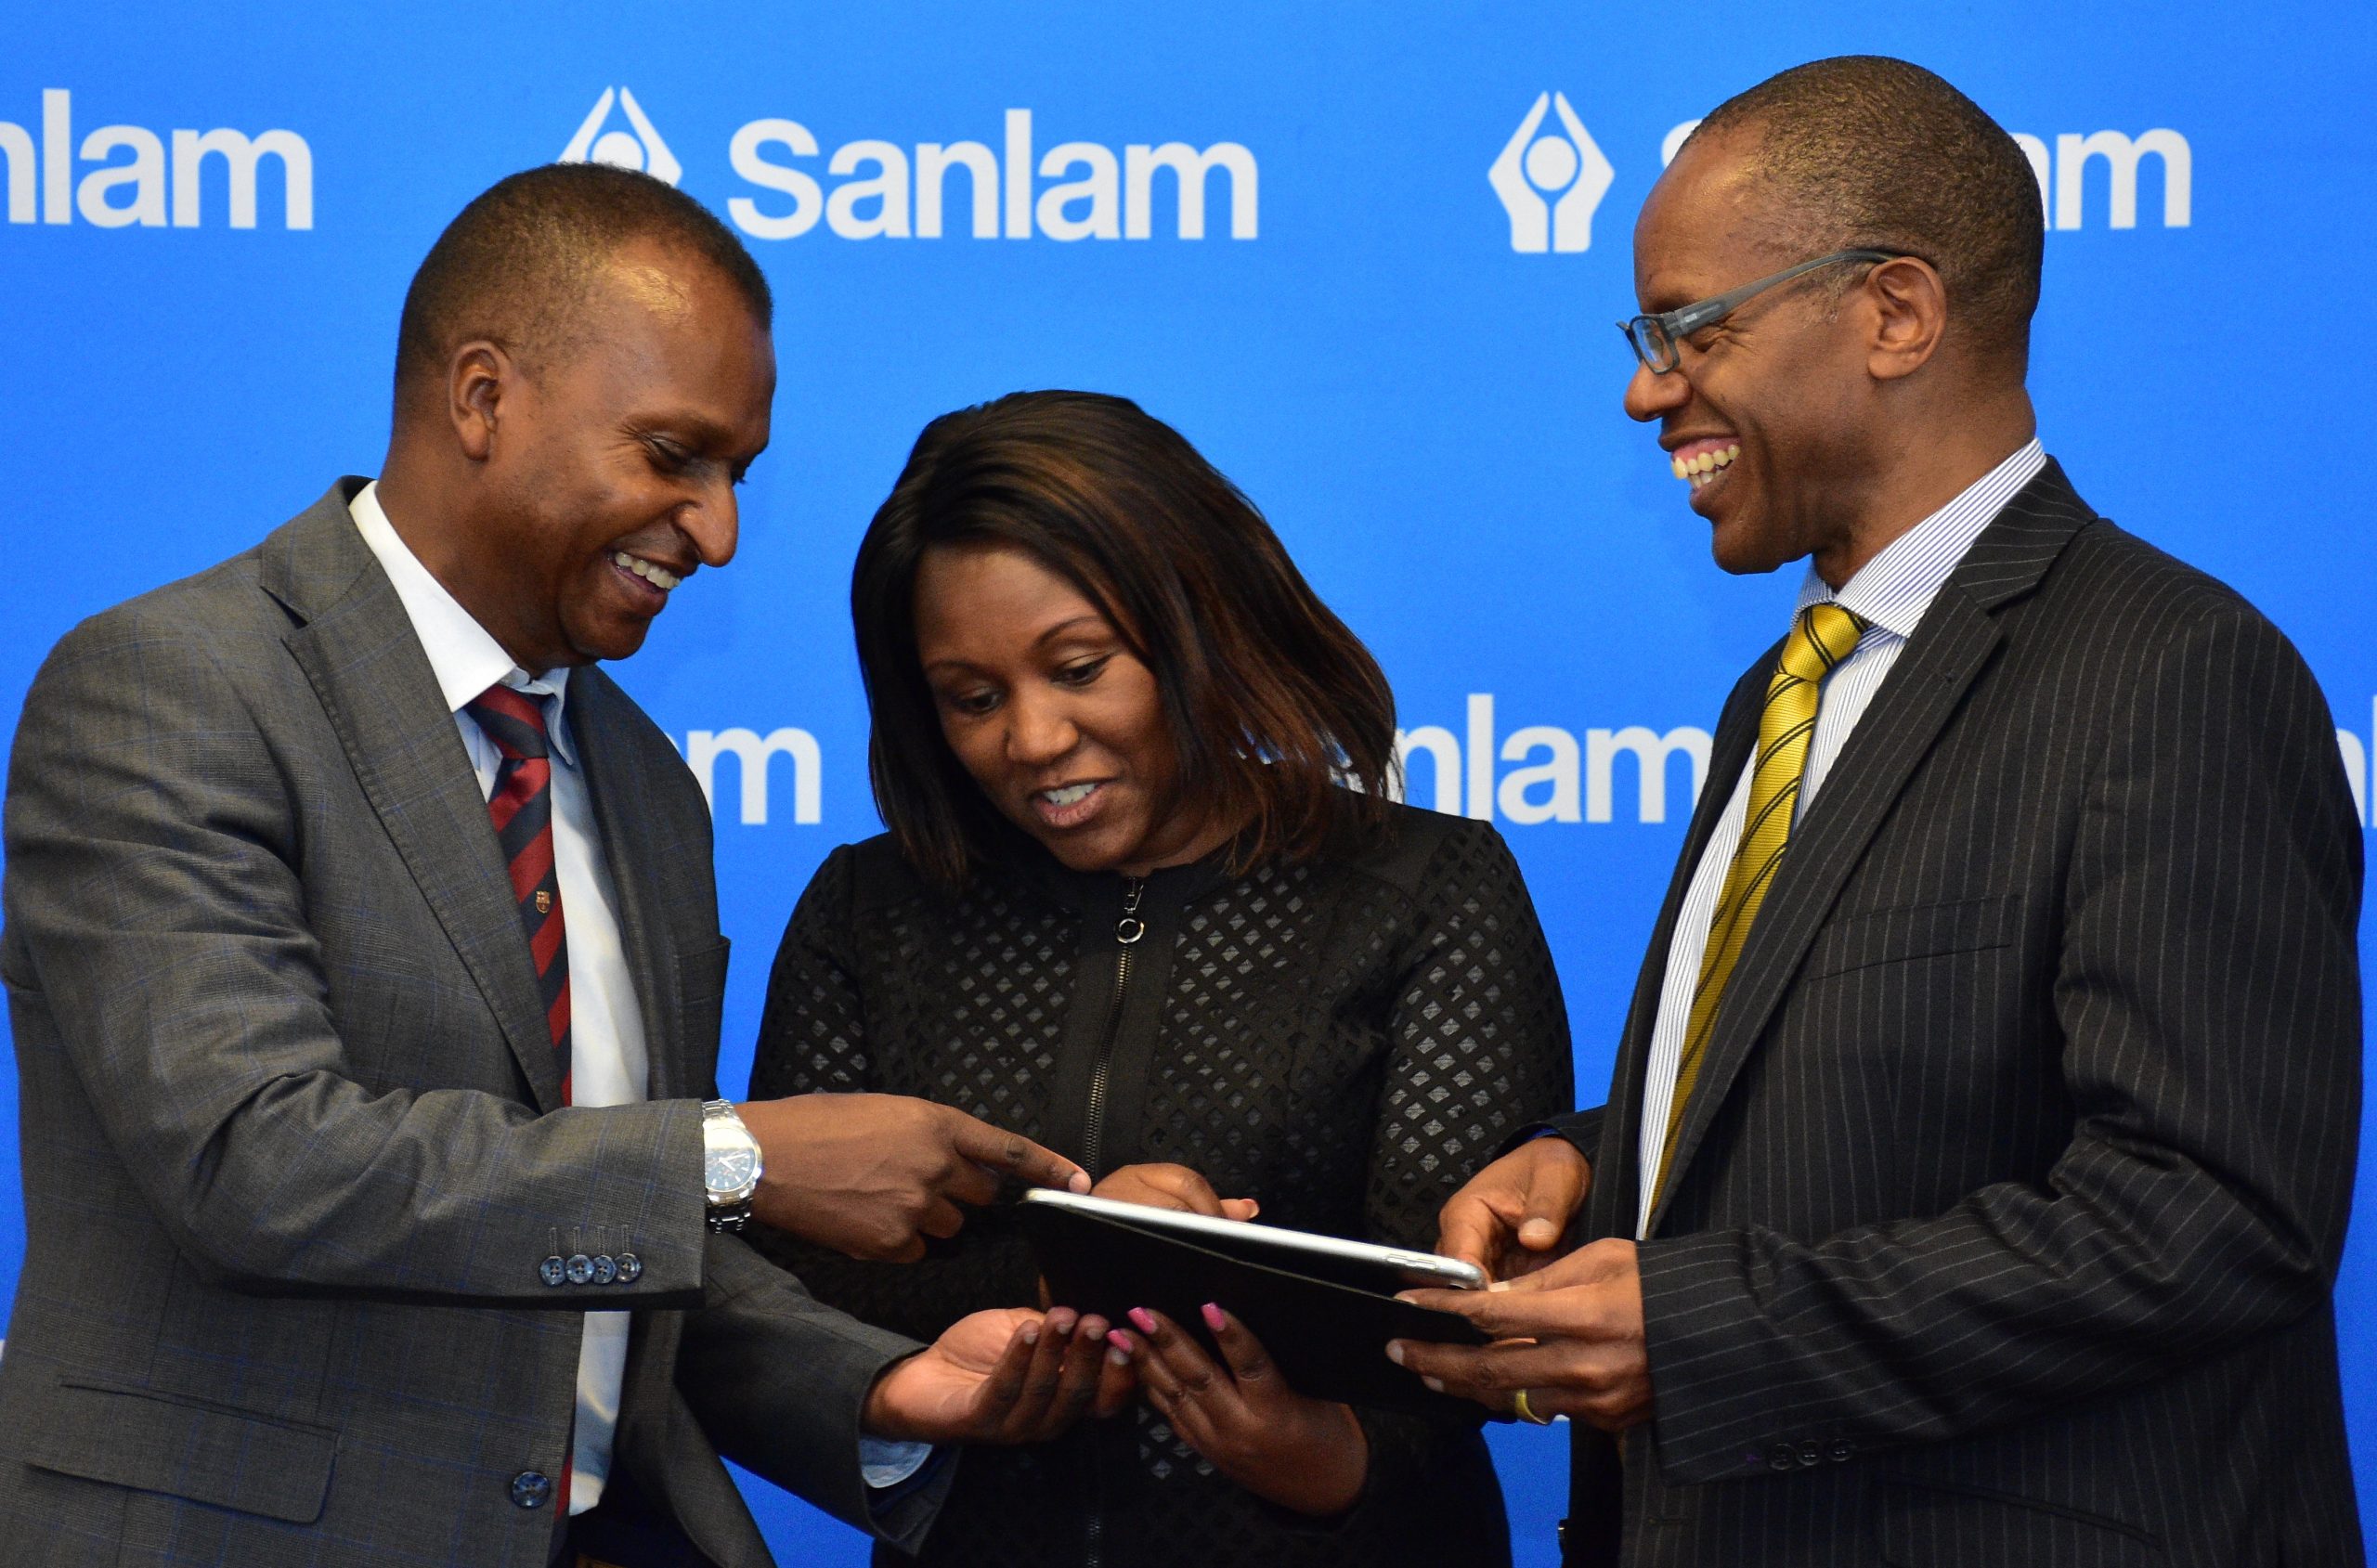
{"x":885,"y":1464}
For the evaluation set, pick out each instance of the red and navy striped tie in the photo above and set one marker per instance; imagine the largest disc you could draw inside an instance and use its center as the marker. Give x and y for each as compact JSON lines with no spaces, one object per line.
{"x":521,"y":809}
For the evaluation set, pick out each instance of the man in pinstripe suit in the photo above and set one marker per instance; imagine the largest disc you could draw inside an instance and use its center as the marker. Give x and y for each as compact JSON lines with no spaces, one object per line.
{"x":364,"y":968}
{"x":1976,"y":1166}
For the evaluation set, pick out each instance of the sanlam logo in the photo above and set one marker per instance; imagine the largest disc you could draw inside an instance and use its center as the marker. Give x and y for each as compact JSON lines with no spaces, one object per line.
{"x":871,"y":189}
{"x":637,"y":147}
{"x":1550,"y":181}
{"x":1536,"y":776}
{"x":134,"y":182}
{"x":2062,"y":172}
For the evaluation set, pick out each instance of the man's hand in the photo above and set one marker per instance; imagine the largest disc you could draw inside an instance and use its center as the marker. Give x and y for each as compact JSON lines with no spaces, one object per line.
{"x":1511,"y":1214}
{"x":1172,"y":1186}
{"x":1008,"y":1375}
{"x":873,"y":1176}
{"x":1570,"y":1336}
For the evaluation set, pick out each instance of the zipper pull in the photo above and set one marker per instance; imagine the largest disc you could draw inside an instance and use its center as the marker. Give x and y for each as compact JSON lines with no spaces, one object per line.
{"x":1130,"y":929}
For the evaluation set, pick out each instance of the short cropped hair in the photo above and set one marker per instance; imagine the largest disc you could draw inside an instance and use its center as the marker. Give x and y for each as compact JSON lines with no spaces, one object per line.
{"x":515,"y":265}
{"x":1272,"y":703}
{"x":1864,"y":150}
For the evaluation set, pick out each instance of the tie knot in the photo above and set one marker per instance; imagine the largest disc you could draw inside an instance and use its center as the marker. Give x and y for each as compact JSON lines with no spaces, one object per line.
{"x":1822,"y":636}
{"x":513,"y":720}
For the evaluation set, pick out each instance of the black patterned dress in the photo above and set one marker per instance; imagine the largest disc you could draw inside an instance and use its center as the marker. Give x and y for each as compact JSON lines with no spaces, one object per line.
{"x":1344,"y":1038}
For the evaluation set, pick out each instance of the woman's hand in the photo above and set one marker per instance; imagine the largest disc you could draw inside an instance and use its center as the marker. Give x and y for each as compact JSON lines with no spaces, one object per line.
{"x":1173,"y":1186}
{"x":1007,"y":1375}
{"x":1303,"y":1454}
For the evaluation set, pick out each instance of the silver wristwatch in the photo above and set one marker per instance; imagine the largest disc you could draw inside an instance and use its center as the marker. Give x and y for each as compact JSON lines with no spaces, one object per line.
{"x":730,"y":1166}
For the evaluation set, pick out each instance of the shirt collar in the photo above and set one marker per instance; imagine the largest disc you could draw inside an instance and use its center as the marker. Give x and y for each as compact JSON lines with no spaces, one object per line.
{"x":1895,"y":587}
{"x":464,"y":655}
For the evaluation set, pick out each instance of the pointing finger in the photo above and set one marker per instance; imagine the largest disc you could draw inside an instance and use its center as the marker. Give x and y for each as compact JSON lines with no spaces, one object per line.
{"x":1013,"y":1153}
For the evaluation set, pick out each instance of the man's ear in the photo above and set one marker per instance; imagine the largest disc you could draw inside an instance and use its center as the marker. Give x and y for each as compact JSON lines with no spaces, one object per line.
{"x":477,"y":381}
{"x":1910,"y":307}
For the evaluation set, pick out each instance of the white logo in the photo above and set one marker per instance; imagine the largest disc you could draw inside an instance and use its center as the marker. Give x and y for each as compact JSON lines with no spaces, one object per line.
{"x":2062,"y":172}
{"x":1534,"y":169}
{"x":1560,"y":781}
{"x":128,"y":184}
{"x":752,"y":753}
{"x":883,"y":190}
{"x":640,"y":147}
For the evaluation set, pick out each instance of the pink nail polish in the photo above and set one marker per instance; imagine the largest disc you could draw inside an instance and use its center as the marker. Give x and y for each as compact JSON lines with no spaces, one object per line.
{"x":1144,"y":1319}
{"x":1215,"y":1318}
{"x":1120,"y":1341}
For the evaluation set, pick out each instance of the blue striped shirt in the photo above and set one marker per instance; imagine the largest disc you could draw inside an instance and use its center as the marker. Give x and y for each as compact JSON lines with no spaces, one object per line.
{"x":1891,"y":592}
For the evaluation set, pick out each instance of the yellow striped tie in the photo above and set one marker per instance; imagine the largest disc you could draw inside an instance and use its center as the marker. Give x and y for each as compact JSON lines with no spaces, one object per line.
{"x":1823,"y":635}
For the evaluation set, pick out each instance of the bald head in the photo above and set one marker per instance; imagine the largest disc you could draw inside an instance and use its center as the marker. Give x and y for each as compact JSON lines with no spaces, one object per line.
{"x":519,"y":267}
{"x":1866,"y":151}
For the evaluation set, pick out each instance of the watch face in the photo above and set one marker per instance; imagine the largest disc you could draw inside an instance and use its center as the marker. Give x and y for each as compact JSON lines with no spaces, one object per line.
{"x":728,"y":1170}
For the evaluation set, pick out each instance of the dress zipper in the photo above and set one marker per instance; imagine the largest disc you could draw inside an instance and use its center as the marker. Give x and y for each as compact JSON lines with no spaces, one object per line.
{"x":1127,"y":932}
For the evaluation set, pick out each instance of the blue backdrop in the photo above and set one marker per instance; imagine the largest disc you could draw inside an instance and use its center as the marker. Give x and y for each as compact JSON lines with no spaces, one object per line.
{"x":1365,"y":256}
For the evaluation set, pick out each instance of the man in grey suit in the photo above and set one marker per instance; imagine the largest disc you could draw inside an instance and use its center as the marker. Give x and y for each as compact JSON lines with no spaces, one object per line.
{"x":363,"y":961}
{"x":1974,"y":1176}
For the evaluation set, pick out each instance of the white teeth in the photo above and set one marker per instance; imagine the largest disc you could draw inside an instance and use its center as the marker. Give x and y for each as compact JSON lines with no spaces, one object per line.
{"x":1698,"y":468}
{"x":658,"y":577}
{"x":1070,"y":795}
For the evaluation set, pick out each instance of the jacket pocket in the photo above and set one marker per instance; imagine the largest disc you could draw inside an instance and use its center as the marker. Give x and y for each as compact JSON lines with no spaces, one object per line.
{"x":1893,"y":935}
{"x":185,"y":1448}
{"x":1917,"y":1525}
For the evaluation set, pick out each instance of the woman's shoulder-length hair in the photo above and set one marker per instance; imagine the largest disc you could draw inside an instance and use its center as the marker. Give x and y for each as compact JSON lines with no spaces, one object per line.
{"x":1279,"y":716}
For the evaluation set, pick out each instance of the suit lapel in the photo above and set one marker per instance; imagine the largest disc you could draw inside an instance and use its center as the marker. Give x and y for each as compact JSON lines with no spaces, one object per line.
{"x":358,"y":650}
{"x":622,"y":798}
{"x":1950,"y":648}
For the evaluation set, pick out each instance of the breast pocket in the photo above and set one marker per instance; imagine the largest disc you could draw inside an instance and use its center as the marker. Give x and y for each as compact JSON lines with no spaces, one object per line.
{"x":1910,"y":931}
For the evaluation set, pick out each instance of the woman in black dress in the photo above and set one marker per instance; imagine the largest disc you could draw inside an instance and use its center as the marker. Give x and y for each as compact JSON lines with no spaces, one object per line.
{"x":1146,"y":899}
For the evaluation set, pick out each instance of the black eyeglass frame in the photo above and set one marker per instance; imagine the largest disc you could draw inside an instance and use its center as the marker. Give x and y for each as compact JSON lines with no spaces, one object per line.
{"x":1655,"y":336}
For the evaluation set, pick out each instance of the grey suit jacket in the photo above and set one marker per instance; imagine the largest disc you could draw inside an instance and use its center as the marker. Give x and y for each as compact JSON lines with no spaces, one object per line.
{"x":2010,"y":1200}
{"x":293,"y":1141}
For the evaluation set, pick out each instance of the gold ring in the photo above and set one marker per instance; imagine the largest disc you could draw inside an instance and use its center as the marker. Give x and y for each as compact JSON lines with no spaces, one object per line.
{"x":1526,"y":1412}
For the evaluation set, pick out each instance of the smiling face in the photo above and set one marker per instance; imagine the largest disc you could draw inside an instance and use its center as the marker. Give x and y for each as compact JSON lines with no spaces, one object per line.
{"x":1050,"y":712}
{"x":610,"y":475}
{"x":1769,"y":415}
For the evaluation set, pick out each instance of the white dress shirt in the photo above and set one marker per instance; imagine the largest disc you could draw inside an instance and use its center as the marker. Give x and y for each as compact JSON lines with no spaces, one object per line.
{"x":1891,"y":592}
{"x":608,"y":1058}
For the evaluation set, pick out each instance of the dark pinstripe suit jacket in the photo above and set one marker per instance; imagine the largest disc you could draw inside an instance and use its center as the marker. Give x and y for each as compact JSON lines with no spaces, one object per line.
{"x":2013,"y":1191}
{"x":292,"y":1139}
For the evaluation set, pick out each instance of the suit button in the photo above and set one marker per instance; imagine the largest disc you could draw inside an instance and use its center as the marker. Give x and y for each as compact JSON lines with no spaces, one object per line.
{"x":1782,"y":1457}
{"x":531,"y":1489}
{"x":553,"y":1271}
{"x":606,"y":1268}
{"x":630,"y":1268}
{"x":1810,"y":1454}
{"x":1841,"y":1451}
{"x":581,"y":1268}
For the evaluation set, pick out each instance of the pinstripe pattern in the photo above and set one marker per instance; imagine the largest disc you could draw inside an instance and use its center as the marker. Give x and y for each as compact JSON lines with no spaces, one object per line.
{"x":1891,"y":596}
{"x":2005,"y":1220}
{"x":285,"y":1073}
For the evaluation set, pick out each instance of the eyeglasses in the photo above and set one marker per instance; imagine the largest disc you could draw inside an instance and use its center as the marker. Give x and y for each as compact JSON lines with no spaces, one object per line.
{"x":1655,"y":338}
